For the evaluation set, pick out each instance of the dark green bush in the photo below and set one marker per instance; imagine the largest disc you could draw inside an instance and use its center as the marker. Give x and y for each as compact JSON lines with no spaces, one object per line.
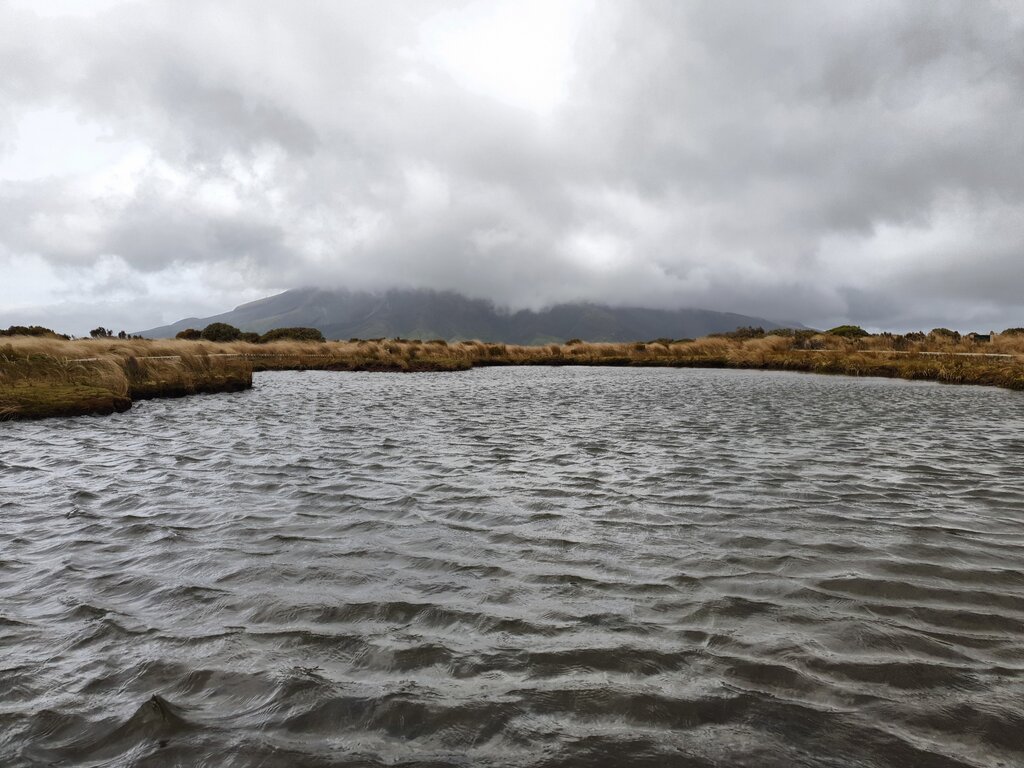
{"x":848,"y":331}
{"x":31,"y":330}
{"x":292,"y":334}
{"x":746,"y":332}
{"x":221,"y":332}
{"x":189,"y":334}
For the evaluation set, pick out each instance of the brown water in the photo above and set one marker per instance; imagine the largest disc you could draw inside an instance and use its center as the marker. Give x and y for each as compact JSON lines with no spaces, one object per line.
{"x":523,"y":567}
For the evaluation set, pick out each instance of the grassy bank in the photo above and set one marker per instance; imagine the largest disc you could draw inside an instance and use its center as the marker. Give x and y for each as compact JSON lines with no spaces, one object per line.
{"x":51,"y":377}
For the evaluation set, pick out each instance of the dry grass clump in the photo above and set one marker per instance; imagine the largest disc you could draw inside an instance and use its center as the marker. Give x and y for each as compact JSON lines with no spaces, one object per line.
{"x":1006,"y":344}
{"x":709,"y":347}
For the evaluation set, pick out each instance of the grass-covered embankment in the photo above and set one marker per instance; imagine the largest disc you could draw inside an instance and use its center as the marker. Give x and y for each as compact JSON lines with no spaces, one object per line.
{"x":41,"y":377}
{"x":51,"y":377}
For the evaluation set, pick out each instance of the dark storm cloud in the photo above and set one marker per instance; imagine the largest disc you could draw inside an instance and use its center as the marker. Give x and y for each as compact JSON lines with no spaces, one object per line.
{"x":814,"y":162}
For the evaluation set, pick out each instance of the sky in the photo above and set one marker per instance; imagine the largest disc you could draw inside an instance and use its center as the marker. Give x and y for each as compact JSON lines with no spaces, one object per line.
{"x":823,"y":163}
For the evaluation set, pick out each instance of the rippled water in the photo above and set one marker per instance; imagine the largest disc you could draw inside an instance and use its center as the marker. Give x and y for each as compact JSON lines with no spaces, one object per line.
{"x":524,"y":567}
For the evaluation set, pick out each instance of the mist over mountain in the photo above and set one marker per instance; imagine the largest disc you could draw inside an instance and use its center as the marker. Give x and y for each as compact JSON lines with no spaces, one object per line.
{"x":343,"y":314}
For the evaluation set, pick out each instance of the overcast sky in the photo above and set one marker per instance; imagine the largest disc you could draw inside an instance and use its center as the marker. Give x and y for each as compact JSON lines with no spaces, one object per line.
{"x":811,"y":161}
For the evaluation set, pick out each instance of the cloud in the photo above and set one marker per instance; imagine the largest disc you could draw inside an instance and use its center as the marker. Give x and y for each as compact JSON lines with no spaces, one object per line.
{"x":843,"y":163}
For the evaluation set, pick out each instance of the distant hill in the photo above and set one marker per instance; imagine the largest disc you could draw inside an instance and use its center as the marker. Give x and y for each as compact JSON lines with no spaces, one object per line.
{"x":423,"y":314}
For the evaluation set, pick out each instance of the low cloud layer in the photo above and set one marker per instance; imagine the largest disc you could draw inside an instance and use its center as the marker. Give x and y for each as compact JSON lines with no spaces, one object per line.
{"x":846,"y":162}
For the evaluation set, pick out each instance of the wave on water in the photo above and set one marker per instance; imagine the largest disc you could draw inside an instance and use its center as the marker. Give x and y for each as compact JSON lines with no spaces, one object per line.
{"x":519,"y":567}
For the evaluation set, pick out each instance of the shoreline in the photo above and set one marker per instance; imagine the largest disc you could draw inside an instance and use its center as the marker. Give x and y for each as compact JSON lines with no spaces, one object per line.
{"x":55,"y":378}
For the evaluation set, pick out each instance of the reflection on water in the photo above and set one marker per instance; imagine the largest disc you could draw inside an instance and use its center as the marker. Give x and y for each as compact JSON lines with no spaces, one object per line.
{"x":519,"y":567}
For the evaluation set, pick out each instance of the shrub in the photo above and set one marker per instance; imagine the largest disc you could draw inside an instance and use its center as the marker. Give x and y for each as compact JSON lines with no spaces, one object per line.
{"x":189,"y":334}
{"x":293,"y":334}
{"x":746,"y":332}
{"x":944,"y":333}
{"x":100,"y":333}
{"x":221,"y":332}
{"x":806,"y":339}
{"x":1013,"y":332}
{"x":571,"y":342}
{"x":31,"y":330}
{"x":848,"y":331}
{"x":249,"y":336}
{"x":915,"y":336}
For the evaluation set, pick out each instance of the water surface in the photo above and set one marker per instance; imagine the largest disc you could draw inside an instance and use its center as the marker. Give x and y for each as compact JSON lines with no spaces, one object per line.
{"x":522,"y":567}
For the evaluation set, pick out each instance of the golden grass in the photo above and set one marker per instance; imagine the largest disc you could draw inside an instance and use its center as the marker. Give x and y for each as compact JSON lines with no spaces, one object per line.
{"x":45,"y":376}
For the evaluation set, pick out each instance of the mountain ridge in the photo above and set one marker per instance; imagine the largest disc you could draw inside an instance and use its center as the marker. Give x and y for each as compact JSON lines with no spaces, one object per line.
{"x":422,"y":313}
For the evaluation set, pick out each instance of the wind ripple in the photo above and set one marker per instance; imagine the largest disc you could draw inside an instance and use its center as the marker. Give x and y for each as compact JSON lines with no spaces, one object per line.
{"x":523,"y":567}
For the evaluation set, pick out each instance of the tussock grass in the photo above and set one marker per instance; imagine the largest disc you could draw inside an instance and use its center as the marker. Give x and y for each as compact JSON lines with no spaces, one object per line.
{"x":52,"y":377}
{"x":42,"y":376}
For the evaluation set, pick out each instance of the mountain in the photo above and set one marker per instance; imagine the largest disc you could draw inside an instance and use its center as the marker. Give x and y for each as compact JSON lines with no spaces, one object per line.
{"x":423,"y":314}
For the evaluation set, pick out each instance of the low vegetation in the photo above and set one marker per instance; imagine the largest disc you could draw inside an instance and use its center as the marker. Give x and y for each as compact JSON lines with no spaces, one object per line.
{"x":225,"y":332}
{"x":45,"y":375}
{"x":108,"y":333}
{"x":32,"y":330}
